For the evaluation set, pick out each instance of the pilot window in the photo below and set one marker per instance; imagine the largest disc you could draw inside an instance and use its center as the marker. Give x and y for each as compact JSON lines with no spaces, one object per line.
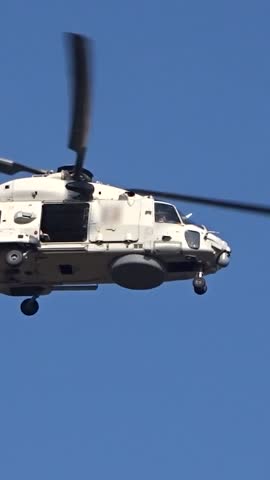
{"x":165,"y":213}
{"x":64,"y":222}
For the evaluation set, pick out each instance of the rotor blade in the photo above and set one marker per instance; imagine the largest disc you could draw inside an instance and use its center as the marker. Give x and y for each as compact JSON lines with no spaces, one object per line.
{"x":9,"y":167}
{"x":80,"y":59}
{"x":232,"y":205}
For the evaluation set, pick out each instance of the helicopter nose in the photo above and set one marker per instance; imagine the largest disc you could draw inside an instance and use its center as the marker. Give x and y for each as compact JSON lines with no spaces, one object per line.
{"x":222,"y":249}
{"x":223,"y":259}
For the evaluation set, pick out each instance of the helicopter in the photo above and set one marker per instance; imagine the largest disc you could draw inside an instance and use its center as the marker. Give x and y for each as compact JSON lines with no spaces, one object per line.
{"x":63,"y":231}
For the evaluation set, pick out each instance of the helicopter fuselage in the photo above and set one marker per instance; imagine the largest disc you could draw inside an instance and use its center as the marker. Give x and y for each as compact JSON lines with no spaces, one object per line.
{"x":114,"y":237}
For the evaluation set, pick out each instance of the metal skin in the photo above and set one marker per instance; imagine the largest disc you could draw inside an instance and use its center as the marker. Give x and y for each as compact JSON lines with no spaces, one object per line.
{"x":118,"y":225}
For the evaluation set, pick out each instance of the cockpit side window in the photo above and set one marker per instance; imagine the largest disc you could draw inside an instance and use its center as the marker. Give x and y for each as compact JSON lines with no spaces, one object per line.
{"x":165,"y":213}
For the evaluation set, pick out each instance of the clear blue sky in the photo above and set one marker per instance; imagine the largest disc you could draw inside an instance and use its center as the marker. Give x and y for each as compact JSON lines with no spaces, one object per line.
{"x":162,"y":384}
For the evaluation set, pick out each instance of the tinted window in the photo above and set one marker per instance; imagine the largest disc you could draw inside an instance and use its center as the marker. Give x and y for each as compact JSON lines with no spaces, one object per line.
{"x":165,"y":213}
{"x":185,"y":220}
{"x":64,"y":222}
{"x":188,"y":221}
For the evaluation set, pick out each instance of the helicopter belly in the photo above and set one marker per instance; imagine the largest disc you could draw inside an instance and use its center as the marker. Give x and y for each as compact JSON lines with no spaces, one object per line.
{"x":52,"y":267}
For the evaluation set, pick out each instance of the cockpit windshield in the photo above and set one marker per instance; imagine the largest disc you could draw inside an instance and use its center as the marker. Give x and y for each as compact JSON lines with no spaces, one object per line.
{"x":188,"y":219}
{"x":166,"y":213}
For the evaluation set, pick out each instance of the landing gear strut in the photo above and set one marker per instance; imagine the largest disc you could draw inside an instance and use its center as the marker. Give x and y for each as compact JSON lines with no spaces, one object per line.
{"x":199,"y":284}
{"x":29,"y":306}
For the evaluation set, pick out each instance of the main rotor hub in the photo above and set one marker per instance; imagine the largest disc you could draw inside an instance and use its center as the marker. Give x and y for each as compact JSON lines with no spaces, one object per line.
{"x":84,"y":173}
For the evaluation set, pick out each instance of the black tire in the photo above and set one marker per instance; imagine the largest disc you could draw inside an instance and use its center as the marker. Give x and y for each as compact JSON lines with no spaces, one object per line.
{"x":29,"y":307}
{"x":200,"y":290}
{"x":14,"y":258}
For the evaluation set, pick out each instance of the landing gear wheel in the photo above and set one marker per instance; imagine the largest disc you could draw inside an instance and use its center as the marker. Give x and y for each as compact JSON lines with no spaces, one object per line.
{"x":29,"y":306}
{"x":199,"y":285}
{"x":14,"y":258}
{"x":200,"y":291}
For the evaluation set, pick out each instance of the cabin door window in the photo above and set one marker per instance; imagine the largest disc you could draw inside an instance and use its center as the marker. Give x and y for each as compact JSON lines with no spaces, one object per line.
{"x":64,"y":222}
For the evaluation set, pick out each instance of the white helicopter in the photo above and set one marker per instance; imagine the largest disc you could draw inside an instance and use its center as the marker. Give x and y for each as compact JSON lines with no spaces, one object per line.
{"x":62,"y":231}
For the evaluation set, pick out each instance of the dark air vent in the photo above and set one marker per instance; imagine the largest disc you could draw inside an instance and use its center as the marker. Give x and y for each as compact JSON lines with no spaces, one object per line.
{"x":66,"y":269}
